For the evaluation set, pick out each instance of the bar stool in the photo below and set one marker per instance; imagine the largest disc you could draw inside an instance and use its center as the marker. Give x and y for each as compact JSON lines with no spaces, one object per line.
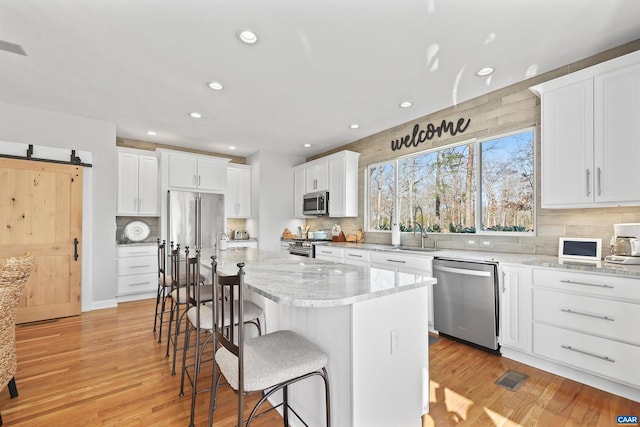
{"x":164,"y":287}
{"x":200,"y":319}
{"x":267,"y":363}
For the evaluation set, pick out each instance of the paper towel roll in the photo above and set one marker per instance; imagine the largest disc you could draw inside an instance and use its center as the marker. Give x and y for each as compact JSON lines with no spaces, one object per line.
{"x":395,"y":234}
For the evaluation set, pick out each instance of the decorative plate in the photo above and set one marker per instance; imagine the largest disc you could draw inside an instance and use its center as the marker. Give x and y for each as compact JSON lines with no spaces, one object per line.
{"x":137,"y":231}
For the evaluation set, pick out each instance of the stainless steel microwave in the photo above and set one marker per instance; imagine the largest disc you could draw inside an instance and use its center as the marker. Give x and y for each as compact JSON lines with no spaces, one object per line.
{"x":316,"y":203}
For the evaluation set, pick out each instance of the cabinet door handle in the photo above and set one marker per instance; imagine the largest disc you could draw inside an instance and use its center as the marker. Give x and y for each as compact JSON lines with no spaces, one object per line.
{"x":597,"y":356}
{"x":354,"y":255}
{"x":138,"y":284}
{"x":199,"y":180}
{"x":571,"y":282}
{"x":397,"y":260}
{"x":580,"y":313}
{"x":599,"y":183}
{"x":140,"y":266}
{"x":588,"y":183}
{"x":75,"y":248}
{"x":504,"y":282}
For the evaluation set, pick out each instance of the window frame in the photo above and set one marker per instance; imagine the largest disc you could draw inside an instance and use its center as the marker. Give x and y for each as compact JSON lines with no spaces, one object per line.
{"x":477,"y":143}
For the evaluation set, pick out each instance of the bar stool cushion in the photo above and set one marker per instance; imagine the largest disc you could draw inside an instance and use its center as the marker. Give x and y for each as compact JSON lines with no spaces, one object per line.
{"x":271,"y":359}
{"x":251,"y":312}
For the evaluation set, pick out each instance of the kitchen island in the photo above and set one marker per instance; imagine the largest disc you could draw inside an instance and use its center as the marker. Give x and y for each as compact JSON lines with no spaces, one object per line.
{"x":371,"y":322}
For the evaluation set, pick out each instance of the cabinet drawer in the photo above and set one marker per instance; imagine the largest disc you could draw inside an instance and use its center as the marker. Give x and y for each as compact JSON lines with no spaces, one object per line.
{"x":357,"y":255}
{"x":137,"y":283}
{"x":329,"y":252}
{"x":600,"y":356}
{"x":137,"y":265}
{"x":593,"y":284}
{"x":612,"y":319}
{"x":402,"y":261}
{"x":136,"y":250}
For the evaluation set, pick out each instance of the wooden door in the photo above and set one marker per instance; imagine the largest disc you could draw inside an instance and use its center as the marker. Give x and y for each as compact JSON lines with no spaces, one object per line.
{"x":41,"y":212}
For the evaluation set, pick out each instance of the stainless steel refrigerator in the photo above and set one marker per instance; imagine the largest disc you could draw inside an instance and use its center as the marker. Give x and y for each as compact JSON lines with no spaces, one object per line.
{"x":195,"y":219}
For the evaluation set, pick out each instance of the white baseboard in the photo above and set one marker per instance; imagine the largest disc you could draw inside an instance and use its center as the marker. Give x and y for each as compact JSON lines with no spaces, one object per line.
{"x":98,"y":305}
{"x":136,"y":297}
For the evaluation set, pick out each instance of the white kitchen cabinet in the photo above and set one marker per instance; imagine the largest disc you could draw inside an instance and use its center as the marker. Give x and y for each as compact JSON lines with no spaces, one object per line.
{"x":317,"y":176}
{"x":357,"y":257}
{"x":591,"y":136}
{"x":329,"y":253}
{"x":299,"y":190}
{"x":336,"y":173}
{"x":137,"y":183}
{"x":515,"y":319}
{"x":588,"y":322}
{"x":195,"y":172}
{"x":238,"y":195}
{"x":137,"y":267}
{"x":343,"y":185}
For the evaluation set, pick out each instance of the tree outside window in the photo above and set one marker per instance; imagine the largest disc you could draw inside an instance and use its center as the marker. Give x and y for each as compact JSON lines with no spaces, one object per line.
{"x":483,"y":186}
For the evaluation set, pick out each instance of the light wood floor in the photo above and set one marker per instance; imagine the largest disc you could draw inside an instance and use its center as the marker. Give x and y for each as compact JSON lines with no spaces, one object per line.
{"x":105,"y":368}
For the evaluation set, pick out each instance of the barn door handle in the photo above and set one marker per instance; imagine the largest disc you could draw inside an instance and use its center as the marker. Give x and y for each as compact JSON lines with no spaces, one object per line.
{"x":75,"y":248}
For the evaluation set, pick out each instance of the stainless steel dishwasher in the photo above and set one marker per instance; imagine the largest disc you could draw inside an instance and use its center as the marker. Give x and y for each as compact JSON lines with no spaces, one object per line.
{"x":465,"y":302}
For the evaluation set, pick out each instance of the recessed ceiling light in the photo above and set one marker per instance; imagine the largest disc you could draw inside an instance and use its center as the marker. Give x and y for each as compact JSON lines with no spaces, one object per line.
{"x":152,"y":133}
{"x":307,"y":145}
{"x":215,"y":85}
{"x":406,"y":104}
{"x":196,"y":115}
{"x":484,"y":71}
{"x":354,"y":126}
{"x":231,"y":147}
{"x":247,"y":36}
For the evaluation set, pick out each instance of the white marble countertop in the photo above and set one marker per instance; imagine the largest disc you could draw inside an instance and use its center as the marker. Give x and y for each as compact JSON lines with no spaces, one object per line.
{"x":546,"y":261}
{"x":308,"y":282}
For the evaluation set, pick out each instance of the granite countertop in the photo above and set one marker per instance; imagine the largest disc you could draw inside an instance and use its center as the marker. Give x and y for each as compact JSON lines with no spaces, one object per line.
{"x":308,"y":282}
{"x":545,"y":261}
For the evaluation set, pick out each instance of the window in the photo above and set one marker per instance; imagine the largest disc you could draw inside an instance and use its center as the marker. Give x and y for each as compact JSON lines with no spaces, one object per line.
{"x":485,"y":186}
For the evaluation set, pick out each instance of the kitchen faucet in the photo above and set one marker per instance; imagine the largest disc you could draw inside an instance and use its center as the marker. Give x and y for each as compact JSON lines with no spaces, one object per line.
{"x":423,"y":235}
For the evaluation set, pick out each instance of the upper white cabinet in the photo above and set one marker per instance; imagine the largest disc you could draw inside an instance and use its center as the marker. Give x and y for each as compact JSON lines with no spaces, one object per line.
{"x":337,"y":173}
{"x":238,"y":195}
{"x":197,"y":172}
{"x":591,"y":136}
{"x":137,"y":183}
{"x":317,"y":177}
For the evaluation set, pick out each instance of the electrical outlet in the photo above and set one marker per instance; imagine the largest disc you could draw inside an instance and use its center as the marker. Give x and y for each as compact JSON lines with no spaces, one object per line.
{"x":471,"y":242}
{"x":486,"y":243}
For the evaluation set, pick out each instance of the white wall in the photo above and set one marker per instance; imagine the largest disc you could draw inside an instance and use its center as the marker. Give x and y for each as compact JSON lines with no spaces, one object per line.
{"x":272,"y":197}
{"x":46,"y":128}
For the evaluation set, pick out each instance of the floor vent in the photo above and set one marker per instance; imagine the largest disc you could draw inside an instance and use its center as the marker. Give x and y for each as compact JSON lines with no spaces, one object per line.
{"x":512,"y":380}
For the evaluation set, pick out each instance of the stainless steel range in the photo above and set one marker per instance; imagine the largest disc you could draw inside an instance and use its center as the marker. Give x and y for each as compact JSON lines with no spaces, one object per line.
{"x":304,"y":247}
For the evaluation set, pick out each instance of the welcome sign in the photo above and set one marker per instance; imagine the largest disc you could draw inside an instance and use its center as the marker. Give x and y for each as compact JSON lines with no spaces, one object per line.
{"x":419,"y":136}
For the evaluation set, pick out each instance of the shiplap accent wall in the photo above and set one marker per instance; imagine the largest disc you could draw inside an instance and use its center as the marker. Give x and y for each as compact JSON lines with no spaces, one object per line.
{"x":508,"y":109}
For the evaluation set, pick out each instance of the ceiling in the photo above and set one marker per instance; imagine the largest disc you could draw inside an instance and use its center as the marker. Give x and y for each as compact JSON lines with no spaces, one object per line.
{"x":318,"y":66}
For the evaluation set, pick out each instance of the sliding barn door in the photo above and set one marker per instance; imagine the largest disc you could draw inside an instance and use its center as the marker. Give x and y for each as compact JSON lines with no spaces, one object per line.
{"x":41,"y":212}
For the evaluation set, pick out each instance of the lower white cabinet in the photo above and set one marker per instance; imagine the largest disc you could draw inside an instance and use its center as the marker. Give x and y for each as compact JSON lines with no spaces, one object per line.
{"x":137,"y":269}
{"x":515,"y":319}
{"x":588,"y":322}
{"x":600,"y":356}
{"x":329,"y":253}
